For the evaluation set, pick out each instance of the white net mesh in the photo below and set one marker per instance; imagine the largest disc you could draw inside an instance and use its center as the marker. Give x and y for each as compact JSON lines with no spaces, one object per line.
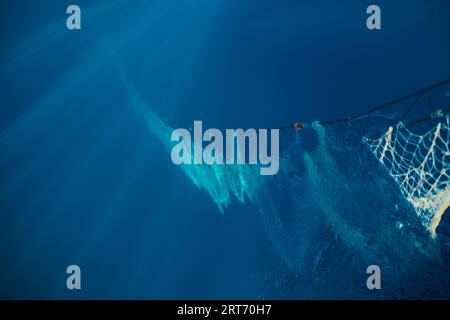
{"x":420,"y":165}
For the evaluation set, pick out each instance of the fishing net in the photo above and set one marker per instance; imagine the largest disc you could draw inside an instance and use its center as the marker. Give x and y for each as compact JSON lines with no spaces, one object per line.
{"x":420,"y":165}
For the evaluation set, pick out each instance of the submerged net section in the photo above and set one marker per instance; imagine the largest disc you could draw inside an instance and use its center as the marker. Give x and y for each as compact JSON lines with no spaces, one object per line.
{"x":420,"y":165}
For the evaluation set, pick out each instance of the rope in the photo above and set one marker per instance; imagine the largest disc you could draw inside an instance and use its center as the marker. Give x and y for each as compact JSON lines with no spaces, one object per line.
{"x":432,"y":116}
{"x":417,"y":93}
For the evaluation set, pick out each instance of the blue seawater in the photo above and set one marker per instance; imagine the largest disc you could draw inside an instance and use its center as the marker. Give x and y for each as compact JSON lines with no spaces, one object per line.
{"x":86,"y":176}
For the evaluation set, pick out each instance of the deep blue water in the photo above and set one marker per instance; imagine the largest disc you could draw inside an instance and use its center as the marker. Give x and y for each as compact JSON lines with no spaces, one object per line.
{"x":83,"y":181}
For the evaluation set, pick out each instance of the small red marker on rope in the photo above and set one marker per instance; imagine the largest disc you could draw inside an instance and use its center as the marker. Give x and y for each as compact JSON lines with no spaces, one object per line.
{"x":298,"y":126}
